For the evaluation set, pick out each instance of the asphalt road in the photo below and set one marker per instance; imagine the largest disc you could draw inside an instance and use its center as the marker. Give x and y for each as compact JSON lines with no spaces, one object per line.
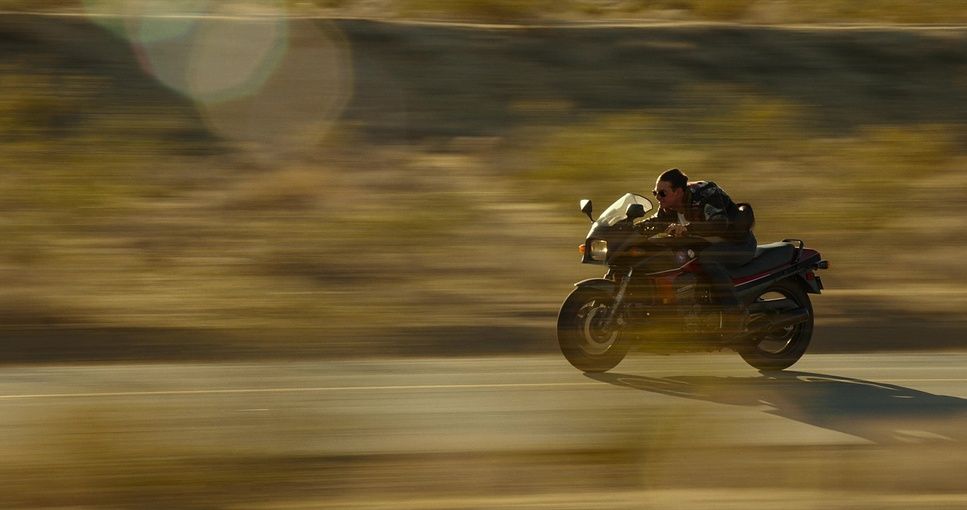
{"x":689,"y":431}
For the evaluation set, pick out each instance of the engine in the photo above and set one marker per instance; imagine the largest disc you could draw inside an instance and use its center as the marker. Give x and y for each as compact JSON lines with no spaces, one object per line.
{"x":692,"y":299}
{"x":686,"y":290}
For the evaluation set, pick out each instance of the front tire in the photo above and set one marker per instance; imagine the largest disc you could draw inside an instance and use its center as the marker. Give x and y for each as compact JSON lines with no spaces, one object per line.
{"x":581,"y":334}
{"x":782,"y":347}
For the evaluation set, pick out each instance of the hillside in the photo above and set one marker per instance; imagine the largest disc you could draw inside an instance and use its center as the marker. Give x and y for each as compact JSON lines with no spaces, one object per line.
{"x":270,"y":186}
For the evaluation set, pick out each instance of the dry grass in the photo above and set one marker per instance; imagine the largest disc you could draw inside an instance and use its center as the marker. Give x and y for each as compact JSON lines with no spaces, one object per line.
{"x":439,"y":211}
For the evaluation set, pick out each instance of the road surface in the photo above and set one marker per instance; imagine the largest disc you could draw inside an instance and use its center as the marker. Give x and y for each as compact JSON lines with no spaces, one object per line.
{"x":686,"y":431}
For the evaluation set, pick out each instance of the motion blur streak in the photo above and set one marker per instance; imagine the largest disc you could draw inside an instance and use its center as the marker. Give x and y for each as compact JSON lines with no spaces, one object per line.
{"x":251,"y":259}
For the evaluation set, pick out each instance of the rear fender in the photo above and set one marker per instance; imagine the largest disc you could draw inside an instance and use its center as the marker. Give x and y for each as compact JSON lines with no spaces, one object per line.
{"x":810,"y":281}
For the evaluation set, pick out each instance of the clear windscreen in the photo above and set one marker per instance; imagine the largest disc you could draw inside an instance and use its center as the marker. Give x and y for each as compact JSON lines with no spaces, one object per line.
{"x":616,"y":211}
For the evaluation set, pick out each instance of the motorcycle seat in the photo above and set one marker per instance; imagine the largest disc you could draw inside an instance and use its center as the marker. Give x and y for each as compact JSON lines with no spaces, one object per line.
{"x":779,"y":249}
{"x":767,"y":256}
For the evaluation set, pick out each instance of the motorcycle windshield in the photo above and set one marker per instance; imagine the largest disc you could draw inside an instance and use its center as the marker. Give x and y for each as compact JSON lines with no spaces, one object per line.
{"x":616,"y":211}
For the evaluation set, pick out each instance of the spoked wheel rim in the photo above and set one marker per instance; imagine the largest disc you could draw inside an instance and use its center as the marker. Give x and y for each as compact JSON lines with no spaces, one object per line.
{"x":778,"y":340}
{"x":596,"y":340}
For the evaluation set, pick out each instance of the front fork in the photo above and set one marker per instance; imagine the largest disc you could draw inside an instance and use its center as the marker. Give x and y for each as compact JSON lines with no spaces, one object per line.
{"x":618,"y":299}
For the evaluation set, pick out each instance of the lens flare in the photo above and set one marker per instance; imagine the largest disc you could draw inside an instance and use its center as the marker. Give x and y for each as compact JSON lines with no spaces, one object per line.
{"x":269,"y":79}
{"x":295,"y":105}
{"x":154,"y":22}
{"x":217,"y":59}
{"x":147,"y":22}
{"x":234,"y":59}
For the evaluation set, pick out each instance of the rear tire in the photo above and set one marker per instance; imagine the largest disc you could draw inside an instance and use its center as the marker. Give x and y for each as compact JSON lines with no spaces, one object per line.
{"x":580,"y":333}
{"x":780,"y":348}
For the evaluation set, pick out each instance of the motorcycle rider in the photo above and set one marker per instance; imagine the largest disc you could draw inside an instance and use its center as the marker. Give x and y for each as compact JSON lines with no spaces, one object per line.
{"x":703,"y":209}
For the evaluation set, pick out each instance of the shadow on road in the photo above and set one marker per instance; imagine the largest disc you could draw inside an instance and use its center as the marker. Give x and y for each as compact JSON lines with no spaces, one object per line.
{"x":879,"y":412}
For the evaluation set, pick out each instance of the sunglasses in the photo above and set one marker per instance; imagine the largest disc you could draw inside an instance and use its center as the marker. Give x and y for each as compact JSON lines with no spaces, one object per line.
{"x":660,"y":193}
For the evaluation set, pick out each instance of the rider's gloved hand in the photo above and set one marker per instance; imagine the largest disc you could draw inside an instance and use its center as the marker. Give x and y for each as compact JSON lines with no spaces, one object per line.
{"x":677,"y":230}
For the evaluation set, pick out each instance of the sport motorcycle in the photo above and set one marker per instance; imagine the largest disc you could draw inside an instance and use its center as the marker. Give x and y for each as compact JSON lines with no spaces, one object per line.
{"x":656,"y":298}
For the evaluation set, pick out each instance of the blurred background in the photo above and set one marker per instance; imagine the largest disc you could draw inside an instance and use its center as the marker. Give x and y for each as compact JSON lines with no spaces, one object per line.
{"x":226,"y":178}
{"x":338,"y":180}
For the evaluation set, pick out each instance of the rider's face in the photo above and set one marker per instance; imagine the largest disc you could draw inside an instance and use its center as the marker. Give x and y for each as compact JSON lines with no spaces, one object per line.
{"x":668,"y":197}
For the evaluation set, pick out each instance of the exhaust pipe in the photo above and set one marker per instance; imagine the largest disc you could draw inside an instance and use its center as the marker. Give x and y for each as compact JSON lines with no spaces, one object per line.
{"x":784,"y":319}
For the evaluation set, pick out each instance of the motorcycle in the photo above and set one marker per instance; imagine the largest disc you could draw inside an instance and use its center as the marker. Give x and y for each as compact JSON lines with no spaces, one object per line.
{"x":655,"y":297}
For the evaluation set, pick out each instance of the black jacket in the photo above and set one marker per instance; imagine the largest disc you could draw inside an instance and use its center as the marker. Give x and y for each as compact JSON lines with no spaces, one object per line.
{"x":709,"y":211}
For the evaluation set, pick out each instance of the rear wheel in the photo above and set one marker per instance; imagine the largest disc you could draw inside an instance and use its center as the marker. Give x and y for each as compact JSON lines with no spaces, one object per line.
{"x":585,"y":341}
{"x":779,"y":348}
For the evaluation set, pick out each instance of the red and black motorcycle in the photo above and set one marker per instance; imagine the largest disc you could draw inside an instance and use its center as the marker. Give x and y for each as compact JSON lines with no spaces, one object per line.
{"x":655,"y":297}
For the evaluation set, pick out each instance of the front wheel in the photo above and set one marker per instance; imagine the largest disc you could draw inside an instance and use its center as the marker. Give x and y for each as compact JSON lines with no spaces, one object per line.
{"x":782,"y":347}
{"x":585,"y":341}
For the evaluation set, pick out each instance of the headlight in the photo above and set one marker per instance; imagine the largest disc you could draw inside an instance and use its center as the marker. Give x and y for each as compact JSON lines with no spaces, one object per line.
{"x":599,"y":249}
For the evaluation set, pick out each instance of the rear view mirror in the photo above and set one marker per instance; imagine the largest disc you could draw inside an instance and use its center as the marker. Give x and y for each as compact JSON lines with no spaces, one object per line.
{"x":635,"y":211}
{"x":586,"y":208}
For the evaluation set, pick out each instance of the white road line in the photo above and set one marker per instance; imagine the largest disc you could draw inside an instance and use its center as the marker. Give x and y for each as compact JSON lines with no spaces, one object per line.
{"x":273,"y":15}
{"x":242,"y":391}
{"x":293,"y":390}
{"x":914,"y":380}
